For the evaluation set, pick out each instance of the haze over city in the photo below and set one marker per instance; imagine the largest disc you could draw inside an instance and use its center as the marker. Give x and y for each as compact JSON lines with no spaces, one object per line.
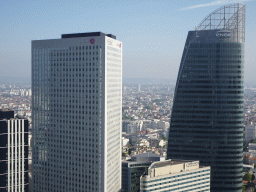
{"x":153,"y":32}
{"x":90,"y":99}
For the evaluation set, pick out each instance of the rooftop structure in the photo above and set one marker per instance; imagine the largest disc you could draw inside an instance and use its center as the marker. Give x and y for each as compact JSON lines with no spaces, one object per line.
{"x":6,"y":113}
{"x":147,"y":157}
{"x":229,"y":17}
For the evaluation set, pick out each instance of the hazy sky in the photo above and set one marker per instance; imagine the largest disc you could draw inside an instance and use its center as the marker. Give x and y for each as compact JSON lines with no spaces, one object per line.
{"x":153,"y":32}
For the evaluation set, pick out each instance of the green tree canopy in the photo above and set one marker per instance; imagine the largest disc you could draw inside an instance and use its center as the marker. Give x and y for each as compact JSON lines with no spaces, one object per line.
{"x":247,"y":177}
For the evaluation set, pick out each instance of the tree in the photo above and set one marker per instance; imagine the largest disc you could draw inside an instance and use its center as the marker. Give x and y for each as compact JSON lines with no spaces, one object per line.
{"x":247,"y":177}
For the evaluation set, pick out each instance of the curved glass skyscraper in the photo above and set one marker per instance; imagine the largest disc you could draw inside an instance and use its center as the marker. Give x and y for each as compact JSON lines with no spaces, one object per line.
{"x":207,"y":115}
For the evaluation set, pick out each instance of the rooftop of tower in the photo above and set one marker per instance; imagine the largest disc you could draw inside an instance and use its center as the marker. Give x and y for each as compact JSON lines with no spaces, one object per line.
{"x":229,"y":17}
{"x":170,"y":162}
{"x":90,"y":34}
{"x":226,"y":17}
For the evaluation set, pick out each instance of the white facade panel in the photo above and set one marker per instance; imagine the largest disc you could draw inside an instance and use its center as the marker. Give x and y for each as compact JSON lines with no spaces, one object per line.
{"x":176,"y":176}
{"x":15,"y":156}
{"x":77,"y":100}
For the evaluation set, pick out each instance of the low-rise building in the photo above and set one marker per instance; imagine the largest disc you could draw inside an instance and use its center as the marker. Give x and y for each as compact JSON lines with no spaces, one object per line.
{"x":125,"y":141}
{"x":252,"y":147}
{"x":250,"y":132}
{"x":248,"y":168}
{"x":176,"y":176}
{"x":133,"y":169}
{"x":143,"y":157}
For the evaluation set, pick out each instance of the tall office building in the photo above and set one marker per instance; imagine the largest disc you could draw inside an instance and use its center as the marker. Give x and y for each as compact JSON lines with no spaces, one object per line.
{"x":77,"y":104}
{"x":207,"y":114}
{"x":13,"y":152}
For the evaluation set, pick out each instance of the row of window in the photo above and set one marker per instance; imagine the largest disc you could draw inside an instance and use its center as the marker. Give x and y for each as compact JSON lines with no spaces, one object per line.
{"x":70,"y":54}
{"x":198,"y":187}
{"x":180,"y":175}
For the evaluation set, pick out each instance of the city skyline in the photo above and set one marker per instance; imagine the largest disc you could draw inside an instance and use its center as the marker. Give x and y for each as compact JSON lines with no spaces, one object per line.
{"x":69,"y":80}
{"x":152,"y":32}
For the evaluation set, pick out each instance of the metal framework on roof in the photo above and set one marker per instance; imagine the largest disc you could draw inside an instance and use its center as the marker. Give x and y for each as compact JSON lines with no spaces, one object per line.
{"x":229,"y":17}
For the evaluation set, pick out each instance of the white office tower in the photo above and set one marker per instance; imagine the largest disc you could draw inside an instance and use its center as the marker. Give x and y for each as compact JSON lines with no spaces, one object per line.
{"x":77,"y":104}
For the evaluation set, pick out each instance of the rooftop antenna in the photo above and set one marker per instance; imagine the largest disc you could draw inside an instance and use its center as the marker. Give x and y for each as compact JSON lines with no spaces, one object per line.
{"x":196,"y":29}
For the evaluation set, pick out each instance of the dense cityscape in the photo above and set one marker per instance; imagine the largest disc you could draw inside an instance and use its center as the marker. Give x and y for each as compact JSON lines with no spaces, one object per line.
{"x":82,"y":121}
{"x":146,"y":111}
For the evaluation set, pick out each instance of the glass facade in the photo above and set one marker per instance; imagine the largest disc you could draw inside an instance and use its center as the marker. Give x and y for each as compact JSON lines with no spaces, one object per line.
{"x":131,"y":173}
{"x":207,"y":115}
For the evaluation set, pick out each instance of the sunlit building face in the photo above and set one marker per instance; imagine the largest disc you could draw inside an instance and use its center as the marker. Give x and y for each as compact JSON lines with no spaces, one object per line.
{"x":77,"y":103}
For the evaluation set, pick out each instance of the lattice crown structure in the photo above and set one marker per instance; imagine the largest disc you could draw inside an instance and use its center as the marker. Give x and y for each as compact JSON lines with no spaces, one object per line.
{"x":229,"y":17}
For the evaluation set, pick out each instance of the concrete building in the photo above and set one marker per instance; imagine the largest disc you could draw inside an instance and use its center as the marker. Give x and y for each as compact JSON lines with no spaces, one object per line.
{"x":133,"y":169}
{"x":176,"y":176}
{"x":132,"y":126}
{"x":252,"y":147}
{"x":144,"y":157}
{"x":250,"y":132}
{"x":125,"y":141}
{"x":77,"y":113}
{"x":250,"y":156}
{"x":162,"y":143}
{"x":144,"y":143}
{"x":13,"y":152}
{"x":131,"y":172}
{"x":146,"y":124}
{"x":248,"y":168}
{"x":155,"y":124}
{"x":163,"y":125}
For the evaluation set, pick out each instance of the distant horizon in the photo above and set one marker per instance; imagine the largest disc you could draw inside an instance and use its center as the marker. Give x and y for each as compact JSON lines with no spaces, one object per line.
{"x":15,"y":79}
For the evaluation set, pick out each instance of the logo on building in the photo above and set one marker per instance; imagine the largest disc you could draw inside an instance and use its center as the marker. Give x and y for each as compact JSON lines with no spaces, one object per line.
{"x":109,"y":42}
{"x":92,"y":40}
{"x":224,"y":34}
{"x":84,"y":40}
{"x":191,"y":164}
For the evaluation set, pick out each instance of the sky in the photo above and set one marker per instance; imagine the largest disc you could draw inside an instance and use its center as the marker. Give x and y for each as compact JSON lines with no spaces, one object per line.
{"x":153,"y":32}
